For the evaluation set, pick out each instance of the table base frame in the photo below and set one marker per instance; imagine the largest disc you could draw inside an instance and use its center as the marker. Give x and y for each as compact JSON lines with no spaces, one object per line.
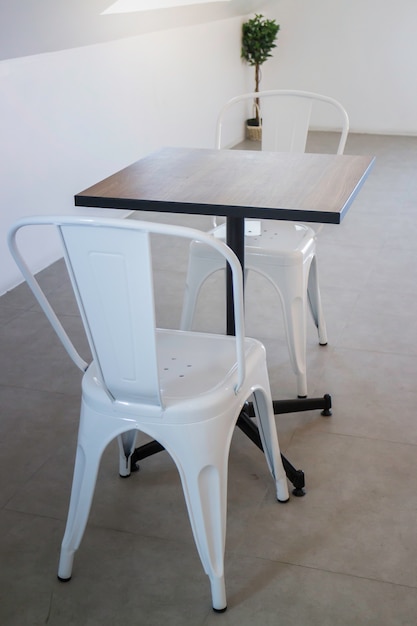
{"x":246,"y":424}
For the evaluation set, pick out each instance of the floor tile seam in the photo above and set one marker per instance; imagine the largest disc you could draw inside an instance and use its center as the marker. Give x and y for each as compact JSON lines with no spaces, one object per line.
{"x":398,"y":247}
{"x":353,"y":245}
{"x":94,"y":526}
{"x":348,"y":312}
{"x":375,"y":351}
{"x":405,"y":210}
{"x":39,"y":390}
{"x":334,"y":571}
{"x":284,"y":449}
{"x":35,"y":308}
{"x":387,"y":249}
{"x":369,"y":288}
{"x":47,"y":290}
{"x":349,"y":348}
{"x":17,"y":307}
{"x":370,"y":208}
{"x":351,"y":436}
{"x":19,"y":313}
{"x":28,"y":477}
{"x":7,"y":508}
{"x":337,"y":244}
{"x":143,"y":535}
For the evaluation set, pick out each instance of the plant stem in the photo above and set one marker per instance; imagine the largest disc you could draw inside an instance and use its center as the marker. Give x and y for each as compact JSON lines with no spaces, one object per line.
{"x":257,"y":81}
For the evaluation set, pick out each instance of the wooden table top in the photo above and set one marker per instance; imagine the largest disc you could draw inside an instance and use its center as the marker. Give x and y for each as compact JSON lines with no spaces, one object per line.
{"x":235,"y":183}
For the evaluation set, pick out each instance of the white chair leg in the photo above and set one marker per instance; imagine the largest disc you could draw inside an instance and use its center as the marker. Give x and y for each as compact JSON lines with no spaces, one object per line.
{"x":205,"y":490}
{"x":296,"y":337}
{"x":262,"y":404}
{"x":127,"y":443}
{"x":84,"y":481}
{"x":291,"y":287}
{"x":203,"y":471}
{"x":199,"y":269}
{"x":314,"y":300}
{"x":89,"y":451}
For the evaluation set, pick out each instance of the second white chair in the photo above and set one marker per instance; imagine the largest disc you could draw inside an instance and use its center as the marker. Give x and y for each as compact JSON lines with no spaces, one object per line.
{"x":283,"y":252}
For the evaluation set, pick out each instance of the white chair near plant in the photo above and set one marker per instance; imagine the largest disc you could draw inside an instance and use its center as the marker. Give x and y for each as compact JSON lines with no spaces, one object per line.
{"x":184,"y":389}
{"x":283,"y":252}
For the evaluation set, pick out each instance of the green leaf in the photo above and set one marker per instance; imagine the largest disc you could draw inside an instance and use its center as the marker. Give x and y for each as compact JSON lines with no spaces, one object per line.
{"x":258,"y":39}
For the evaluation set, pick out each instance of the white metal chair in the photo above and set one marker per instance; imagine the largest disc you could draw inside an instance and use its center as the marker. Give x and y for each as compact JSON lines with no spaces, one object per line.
{"x":184,"y":389}
{"x":283,"y":252}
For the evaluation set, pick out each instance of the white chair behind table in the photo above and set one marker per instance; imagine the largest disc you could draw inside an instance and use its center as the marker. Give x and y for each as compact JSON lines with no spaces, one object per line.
{"x":283,"y":252}
{"x":184,"y":389}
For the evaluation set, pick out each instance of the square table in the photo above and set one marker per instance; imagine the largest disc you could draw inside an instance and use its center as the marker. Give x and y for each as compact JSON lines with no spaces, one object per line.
{"x":238,"y":184}
{"x":235,"y":183}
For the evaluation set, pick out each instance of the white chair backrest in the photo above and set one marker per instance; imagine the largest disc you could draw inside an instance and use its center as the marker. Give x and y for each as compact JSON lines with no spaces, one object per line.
{"x":286,"y":118}
{"x":112,"y":277}
{"x":110,"y":266}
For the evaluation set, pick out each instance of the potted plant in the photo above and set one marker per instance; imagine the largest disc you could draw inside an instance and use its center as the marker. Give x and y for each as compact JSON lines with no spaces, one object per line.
{"x":258,"y":39}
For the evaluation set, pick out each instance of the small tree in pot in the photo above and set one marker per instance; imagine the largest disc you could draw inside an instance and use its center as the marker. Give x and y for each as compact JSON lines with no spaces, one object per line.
{"x":258,"y":39}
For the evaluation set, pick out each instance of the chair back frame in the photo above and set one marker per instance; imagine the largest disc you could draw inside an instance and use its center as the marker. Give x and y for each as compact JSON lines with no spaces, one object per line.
{"x":110,"y":267}
{"x":286,"y":118}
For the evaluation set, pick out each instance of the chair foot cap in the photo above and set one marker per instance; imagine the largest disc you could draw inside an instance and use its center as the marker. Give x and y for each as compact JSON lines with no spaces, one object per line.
{"x":220,"y":610}
{"x":283,"y":501}
{"x":63,"y":580}
{"x":322,"y":344}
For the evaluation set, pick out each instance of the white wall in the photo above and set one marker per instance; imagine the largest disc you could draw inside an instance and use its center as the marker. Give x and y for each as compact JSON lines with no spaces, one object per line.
{"x":30,"y":27}
{"x":70,"y":118}
{"x":362,"y":52}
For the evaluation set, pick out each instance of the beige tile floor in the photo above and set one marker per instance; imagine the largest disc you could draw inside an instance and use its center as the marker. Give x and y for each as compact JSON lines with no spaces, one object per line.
{"x":344,"y":554}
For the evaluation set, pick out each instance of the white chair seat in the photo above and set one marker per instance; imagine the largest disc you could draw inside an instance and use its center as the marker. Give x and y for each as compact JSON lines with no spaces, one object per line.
{"x":282,"y":243}
{"x":183,"y":359}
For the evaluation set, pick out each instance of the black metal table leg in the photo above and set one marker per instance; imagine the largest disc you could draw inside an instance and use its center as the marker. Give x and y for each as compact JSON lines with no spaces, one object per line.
{"x":236,"y":241}
{"x":296,"y":477}
{"x":248,"y":427}
{"x":245,"y":423}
